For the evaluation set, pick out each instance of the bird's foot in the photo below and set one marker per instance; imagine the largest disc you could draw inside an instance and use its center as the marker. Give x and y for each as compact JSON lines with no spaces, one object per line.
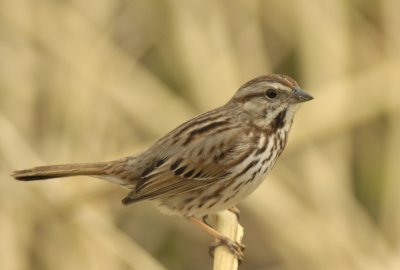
{"x":234,"y":247}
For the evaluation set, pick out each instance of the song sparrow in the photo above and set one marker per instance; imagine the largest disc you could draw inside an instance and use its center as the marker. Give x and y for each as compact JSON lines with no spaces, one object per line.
{"x":208,"y":164}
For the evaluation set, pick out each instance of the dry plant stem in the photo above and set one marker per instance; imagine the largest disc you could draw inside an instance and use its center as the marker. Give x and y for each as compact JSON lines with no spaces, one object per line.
{"x":227,"y":223}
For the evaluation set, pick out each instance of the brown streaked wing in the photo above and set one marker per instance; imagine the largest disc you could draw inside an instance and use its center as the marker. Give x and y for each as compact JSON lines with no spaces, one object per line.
{"x":187,"y":171}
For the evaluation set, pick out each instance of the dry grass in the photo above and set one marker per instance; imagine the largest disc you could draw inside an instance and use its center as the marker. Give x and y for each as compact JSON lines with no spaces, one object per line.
{"x":95,"y":80}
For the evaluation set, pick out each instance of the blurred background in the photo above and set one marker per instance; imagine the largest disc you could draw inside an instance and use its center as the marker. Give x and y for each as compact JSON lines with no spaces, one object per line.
{"x":93,"y":80}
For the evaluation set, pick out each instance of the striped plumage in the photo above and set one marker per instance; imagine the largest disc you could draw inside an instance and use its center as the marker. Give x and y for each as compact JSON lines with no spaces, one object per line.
{"x":209,"y":163}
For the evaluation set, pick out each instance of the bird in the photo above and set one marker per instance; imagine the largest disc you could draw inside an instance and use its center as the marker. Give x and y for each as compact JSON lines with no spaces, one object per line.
{"x":208,"y":164}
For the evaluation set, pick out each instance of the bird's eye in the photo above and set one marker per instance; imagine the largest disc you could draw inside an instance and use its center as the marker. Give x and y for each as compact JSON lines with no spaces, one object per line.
{"x":271,"y":93}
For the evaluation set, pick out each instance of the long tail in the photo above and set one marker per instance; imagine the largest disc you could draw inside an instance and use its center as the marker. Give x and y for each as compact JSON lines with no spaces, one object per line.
{"x":55,"y":171}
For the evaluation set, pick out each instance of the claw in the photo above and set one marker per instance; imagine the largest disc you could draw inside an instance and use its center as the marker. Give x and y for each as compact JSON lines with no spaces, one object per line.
{"x":212,"y":248}
{"x":234,"y":247}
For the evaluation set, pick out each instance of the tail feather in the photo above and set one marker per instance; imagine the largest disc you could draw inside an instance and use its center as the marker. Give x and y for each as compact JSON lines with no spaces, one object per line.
{"x":56,"y":171}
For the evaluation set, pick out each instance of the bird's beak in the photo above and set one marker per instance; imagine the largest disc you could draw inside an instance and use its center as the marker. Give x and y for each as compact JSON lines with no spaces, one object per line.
{"x":299,"y":95}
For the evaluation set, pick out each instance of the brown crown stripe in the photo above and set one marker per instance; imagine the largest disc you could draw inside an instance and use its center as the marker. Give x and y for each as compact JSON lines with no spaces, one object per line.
{"x":282,"y":79}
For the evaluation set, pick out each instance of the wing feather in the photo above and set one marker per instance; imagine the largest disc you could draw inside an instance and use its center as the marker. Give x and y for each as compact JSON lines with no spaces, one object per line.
{"x":204,"y":161}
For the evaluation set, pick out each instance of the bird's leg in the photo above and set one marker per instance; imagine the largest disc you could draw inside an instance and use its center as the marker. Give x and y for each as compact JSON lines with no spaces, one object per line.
{"x":236,"y":248}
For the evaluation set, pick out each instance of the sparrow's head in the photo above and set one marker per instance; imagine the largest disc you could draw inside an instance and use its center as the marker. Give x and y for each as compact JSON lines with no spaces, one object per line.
{"x":267,"y":97}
